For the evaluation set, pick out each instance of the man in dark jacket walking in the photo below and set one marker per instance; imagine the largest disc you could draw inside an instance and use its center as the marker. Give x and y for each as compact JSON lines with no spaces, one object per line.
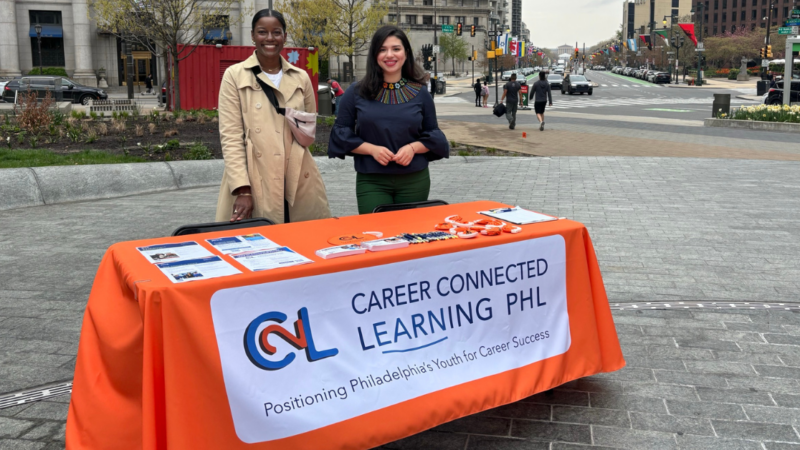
{"x":511,"y":90}
{"x":478,"y":91}
{"x":541,"y":96}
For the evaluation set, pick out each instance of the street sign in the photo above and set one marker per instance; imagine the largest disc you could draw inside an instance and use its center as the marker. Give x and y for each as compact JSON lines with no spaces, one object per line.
{"x":447,"y":28}
{"x":701,"y":49}
{"x":792,"y":22}
{"x":700,"y":45}
{"x":494,"y":33}
{"x":764,"y":63}
{"x":435,"y":49}
{"x":795,"y":14}
{"x":785,"y":30}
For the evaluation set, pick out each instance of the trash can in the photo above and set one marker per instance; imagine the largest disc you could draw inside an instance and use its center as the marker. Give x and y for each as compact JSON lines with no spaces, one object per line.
{"x":721,"y":105}
{"x":325,"y":107}
{"x":441,"y":87}
{"x":761,"y":87}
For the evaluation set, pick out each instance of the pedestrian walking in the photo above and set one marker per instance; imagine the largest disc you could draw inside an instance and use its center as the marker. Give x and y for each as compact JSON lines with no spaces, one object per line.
{"x":397,"y":133}
{"x":148,"y":83}
{"x":511,"y":91}
{"x":478,"y":93}
{"x":336,"y":92}
{"x":485,"y":93}
{"x":541,"y":96}
{"x":267,"y":173}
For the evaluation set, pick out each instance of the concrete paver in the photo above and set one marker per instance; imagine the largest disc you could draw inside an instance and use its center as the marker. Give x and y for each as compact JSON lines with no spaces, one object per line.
{"x":677,"y":229}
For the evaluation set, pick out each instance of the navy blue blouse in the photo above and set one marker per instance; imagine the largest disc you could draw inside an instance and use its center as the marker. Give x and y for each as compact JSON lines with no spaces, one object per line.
{"x":388,"y":125}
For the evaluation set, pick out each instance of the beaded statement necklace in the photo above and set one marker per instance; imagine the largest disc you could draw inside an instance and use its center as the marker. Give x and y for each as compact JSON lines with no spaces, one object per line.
{"x":400,"y":92}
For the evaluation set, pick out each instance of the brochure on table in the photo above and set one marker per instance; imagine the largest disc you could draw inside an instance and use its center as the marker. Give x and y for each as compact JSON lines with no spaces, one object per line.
{"x":181,"y":251}
{"x":517,"y":215}
{"x":243,"y":243}
{"x":197,"y":269}
{"x":270,"y":259}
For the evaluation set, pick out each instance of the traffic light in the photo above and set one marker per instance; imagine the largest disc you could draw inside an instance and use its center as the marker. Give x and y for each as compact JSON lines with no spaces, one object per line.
{"x":472,"y":31}
{"x":576,"y":53}
{"x":458,"y":29}
{"x":769,"y":51}
{"x":763,"y":53}
{"x":427,"y":56}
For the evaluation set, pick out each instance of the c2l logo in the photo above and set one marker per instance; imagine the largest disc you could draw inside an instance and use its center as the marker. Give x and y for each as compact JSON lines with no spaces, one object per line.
{"x":302,"y":339}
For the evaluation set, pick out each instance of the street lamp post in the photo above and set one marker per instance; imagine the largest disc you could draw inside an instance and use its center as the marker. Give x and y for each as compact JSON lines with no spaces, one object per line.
{"x":435,"y":54}
{"x":766,"y":42}
{"x":701,"y":7}
{"x":38,"y":28}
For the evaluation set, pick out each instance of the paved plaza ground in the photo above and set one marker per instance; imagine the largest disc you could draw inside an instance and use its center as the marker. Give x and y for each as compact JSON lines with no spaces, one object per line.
{"x":677,"y":230}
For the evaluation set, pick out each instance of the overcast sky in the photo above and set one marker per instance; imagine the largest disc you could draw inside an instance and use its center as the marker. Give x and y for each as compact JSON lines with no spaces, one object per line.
{"x":554,"y":23}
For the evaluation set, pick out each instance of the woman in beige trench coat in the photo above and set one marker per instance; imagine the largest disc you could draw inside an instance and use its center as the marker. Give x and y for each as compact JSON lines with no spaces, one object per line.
{"x":264,"y":165}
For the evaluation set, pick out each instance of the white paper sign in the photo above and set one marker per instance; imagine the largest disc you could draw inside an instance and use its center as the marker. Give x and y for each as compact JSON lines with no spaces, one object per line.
{"x":305,"y":353}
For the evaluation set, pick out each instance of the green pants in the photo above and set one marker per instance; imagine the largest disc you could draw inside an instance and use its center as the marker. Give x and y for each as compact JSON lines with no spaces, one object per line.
{"x":373,"y":189}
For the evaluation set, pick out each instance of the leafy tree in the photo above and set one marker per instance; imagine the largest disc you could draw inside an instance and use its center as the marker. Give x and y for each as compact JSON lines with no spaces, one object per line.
{"x":162,"y":25}
{"x":336,"y":27}
{"x":453,"y":47}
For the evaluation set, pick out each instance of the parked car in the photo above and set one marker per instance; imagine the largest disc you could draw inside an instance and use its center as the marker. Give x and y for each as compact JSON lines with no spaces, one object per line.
{"x":775,"y":95}
{"x":70,"y":90}
{"x":661,"y":77}
{"x":555,"y":80}
{"x":599,"y":68}
{"x":506,"y":75}
{"x":576,"y":84}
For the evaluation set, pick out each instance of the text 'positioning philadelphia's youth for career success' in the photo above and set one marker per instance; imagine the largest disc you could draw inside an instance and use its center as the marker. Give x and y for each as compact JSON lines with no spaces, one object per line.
{"x":432,"y":321}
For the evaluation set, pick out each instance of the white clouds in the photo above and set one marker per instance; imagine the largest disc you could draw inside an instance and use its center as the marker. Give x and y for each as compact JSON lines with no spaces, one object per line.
{"x":554,"y":23}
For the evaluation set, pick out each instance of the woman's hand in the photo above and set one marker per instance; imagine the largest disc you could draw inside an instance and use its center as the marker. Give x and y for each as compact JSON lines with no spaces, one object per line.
{"x":243,"y":205}
{"x":404,"y":155}
{"x":382,"y":154}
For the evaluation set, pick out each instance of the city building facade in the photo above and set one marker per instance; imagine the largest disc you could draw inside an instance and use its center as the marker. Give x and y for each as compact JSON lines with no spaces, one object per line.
{"x":722,"y":16}
{"x":565,"y":48}
{"x":70,"y":39}
{"x":419,"y":19}
{"x":636,"y":15}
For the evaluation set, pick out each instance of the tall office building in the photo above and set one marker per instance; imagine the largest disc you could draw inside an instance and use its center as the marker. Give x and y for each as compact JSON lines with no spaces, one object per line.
{"x":516,"y":17}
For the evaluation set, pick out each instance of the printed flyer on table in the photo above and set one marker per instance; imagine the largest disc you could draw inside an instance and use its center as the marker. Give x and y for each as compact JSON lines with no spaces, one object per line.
{"x":323,"y":349}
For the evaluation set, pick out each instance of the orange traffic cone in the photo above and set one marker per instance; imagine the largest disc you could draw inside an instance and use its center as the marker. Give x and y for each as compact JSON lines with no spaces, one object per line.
{"x":524,"y":134}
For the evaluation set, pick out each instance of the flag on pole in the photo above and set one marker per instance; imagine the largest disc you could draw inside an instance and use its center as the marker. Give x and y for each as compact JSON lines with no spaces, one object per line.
{"x":663,"y":34}
{"x":632,"y":45}
{"x":688,"y":29}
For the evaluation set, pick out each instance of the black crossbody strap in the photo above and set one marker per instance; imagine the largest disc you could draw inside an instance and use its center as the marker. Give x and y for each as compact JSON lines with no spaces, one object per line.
{"x":268,"y":90}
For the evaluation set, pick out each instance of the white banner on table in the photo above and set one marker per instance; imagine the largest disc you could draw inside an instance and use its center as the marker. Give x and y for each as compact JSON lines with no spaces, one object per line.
{"x":305,"y":353}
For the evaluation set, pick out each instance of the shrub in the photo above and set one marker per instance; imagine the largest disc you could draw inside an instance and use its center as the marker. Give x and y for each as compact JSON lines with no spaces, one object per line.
{"x":80,"y":115}
{"x":172,"y":144}
{"x":102,"y":129}
{"x":178,"y":121}
{"x":151,"y":128}
{"x":118,"y":125}
{"x":91,"y":136}
{"x":35,"y":115}
{"x":140,"y":130}
{"x":93,"y":115}
{"x":55,"y":71}
{"x":198,"y":151}
{"x":34,"y":140}
{"x":733,"y":73}
{"x":170,"y":133}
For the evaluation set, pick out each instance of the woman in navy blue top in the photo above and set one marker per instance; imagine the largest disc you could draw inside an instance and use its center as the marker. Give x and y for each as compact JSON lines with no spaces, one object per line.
{"x":387,"y":122}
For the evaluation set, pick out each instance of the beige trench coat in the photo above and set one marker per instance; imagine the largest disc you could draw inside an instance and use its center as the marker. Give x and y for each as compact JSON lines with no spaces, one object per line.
{"x":256,"y":143}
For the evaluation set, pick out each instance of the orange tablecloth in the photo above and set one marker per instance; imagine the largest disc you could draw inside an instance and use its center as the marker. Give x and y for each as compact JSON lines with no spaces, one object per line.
{"x":149,"y":372}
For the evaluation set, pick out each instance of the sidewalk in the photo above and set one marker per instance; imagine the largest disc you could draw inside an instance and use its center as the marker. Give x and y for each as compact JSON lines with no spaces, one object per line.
{"x":676,"y":238}
{"x":717,"y":83}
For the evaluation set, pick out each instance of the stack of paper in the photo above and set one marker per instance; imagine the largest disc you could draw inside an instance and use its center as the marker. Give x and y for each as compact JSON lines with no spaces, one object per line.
{"x":385,"y":244}
{"x":341,"y":250}
{"x":517,"y":215}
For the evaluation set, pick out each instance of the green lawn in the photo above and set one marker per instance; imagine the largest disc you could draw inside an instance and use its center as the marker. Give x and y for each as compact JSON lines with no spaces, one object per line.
{"x":11,"y":158}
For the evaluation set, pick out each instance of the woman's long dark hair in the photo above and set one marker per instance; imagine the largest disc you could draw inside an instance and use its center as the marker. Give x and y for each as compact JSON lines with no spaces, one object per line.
{"x":372,"y":82}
